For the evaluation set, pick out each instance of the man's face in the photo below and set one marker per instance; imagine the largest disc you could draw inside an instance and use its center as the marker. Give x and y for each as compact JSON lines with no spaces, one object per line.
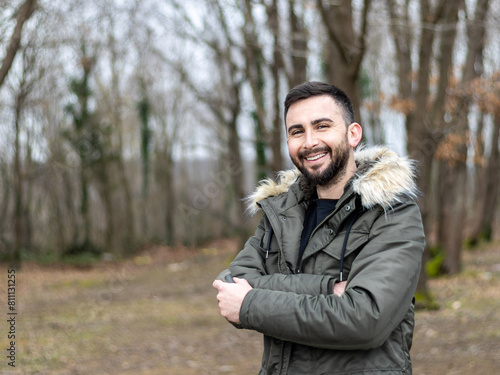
{"x":317,"y":138}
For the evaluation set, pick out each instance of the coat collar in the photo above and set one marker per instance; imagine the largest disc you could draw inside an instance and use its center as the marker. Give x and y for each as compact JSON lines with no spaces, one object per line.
{"x":383,"y":178}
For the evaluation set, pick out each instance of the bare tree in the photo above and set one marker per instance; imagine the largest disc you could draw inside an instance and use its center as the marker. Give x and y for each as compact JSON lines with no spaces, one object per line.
{"x":298,"y":40}
{"x":4,"y":204}
{"x":255,"y":65}
{"x":223,"y":97}
{"x":169,"y":116}
{"x":453,"y":151}
{"x":82,"y":139}
{"x":424,"y":113}
{"x":23,"y":14}
{"x":487,"y":92}
{"x":20,"y":210}
{"x":345,"y":49}
{"x":129,"y":236}
{"x":277,"y":69}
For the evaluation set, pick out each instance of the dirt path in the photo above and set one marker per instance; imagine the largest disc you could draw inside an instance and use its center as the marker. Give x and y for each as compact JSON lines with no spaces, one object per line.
{"x":157,"y":314}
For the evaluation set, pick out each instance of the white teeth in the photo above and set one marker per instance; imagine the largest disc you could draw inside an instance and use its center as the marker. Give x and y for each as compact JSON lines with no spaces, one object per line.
{"x":315,"y":157}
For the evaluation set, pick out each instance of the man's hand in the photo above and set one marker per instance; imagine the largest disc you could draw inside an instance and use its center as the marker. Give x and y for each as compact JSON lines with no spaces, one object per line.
{"x":231,"y":297}
{"x":339,"y":288}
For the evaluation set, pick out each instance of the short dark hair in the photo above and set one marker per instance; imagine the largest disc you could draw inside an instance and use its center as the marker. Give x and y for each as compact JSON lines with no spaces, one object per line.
{"x":309,"y":89}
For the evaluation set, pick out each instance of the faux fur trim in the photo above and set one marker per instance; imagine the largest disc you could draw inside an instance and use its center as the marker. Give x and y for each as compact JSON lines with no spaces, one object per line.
{"x":269,"y":188}
{"x":383,"y":178}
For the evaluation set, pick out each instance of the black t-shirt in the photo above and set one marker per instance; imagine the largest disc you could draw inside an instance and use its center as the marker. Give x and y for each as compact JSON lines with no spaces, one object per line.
{"x":317,"y":211}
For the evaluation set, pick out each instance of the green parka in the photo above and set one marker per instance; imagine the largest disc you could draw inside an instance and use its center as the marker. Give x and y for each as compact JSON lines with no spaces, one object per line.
{"x":374,"y":238}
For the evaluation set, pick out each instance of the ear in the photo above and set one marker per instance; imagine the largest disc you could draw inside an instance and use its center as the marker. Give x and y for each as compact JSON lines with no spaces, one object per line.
{"x":354,"y":134}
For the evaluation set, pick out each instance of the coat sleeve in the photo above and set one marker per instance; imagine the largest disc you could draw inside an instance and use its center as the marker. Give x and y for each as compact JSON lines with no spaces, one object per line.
{"x":250,"y":265}
{"x":379,"y":292}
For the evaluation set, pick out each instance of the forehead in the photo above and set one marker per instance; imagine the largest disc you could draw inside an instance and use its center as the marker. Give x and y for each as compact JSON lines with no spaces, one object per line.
{"x":307,"y":110}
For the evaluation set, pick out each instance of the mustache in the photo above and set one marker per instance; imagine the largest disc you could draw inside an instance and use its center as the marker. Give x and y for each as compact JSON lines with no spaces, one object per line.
{"x":307,"y":153}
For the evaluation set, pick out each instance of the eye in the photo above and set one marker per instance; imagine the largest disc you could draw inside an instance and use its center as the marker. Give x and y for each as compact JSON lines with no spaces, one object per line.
{"x":295,"y":132}
{"x":323,"y":126}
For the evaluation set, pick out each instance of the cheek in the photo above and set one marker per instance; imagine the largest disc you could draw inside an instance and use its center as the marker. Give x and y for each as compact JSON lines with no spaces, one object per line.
{"x":293,"y":148}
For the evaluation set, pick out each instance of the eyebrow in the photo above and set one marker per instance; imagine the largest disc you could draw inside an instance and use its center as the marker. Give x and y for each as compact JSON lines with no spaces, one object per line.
{"x":314,"y":122}
{"x":323,"y":119}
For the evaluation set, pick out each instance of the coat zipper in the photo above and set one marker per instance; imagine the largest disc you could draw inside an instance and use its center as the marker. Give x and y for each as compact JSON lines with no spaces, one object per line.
{"x":268,"y":244}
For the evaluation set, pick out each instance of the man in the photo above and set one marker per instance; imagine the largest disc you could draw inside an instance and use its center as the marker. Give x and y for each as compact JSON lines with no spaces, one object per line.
{"x":330,"y":273}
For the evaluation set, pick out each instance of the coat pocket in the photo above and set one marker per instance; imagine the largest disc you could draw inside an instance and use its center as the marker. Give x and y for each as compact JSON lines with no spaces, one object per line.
{"x":356,"y":240}
{"x":329,"y":259}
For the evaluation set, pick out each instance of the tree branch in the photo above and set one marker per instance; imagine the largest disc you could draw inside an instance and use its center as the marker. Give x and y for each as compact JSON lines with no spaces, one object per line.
{"x":23,"y":15}
{"x":362,"y":36}
{"x":331,"y":32}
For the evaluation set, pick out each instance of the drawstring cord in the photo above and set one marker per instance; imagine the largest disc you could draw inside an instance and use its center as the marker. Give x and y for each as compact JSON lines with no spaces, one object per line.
{"x":344,"y":245}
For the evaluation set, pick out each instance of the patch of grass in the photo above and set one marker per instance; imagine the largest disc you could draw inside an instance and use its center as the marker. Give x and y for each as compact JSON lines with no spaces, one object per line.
{"x":425,"y":301}
{"x":434,"y":266}
{"x":84,"y":259}
{"x":80,"y":284}
{"x":48,"y":258}
{"x":43,"y":258}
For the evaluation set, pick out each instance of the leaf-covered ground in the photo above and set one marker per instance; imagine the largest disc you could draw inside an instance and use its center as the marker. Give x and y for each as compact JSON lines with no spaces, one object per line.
{"x":157,"y":314}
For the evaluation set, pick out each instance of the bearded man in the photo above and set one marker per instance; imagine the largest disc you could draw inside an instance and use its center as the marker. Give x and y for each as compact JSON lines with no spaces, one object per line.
{"x":330,"y":273}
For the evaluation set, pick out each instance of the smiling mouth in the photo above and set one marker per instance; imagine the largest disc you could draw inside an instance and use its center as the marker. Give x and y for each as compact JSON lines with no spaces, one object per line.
{"x":315,"y":157}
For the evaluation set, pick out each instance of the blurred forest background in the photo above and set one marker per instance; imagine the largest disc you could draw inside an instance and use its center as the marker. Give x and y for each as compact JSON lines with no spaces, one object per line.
{"x":130,"y":123}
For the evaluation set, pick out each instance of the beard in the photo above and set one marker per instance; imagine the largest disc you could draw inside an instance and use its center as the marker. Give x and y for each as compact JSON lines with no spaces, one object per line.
{"x":333,"y":172}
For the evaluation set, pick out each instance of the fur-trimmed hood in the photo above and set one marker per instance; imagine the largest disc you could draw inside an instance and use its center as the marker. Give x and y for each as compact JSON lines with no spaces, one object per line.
{"x":383,"y":178}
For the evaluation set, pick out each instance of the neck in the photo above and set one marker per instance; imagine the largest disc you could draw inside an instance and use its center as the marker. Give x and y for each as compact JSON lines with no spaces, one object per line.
{"x":335,"y":190}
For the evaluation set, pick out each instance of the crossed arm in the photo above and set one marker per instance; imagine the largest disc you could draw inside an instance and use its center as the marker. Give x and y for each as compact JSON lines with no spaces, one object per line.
{"x":250,"y":266}
{"x":231,"y":296}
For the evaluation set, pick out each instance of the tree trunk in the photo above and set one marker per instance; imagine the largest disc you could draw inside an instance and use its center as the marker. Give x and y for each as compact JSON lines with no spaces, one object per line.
{"x":128,"y":239}
{"x":276,"y":69}
{"x":483,"y":177}
{"x":339,"y":74}
{"x":254,"y":67}
{"x":487,"y":206}
{"x":82,"y":142}
{"x":299,"y":38}
{"x":24,"y":13}
{"x":69,"y":204}
{"x":421,"y":146}
{"x":61,"y":224}
{"x":423,"y":124}
{"x":106,"y":193}
{"x":4,"y":207}
{"x":345,"y":49}
{"x":27,"y":241}
{"x":84,"y":203}
{"x":473,"y":69}
{"x":455,"y":150}
{"x":235,"y":160}
{"x":171,"y":199}
{"x":143,"y":107}
{"x":455,"y":145}
{"x":403,"y":40}
{"x":479,"y":176}
{"x":18,"y":187}
{"x":452,"y":206}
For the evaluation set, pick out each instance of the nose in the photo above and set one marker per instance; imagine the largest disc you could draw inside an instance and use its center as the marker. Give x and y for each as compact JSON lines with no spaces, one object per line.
{"x":310,"y":140}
